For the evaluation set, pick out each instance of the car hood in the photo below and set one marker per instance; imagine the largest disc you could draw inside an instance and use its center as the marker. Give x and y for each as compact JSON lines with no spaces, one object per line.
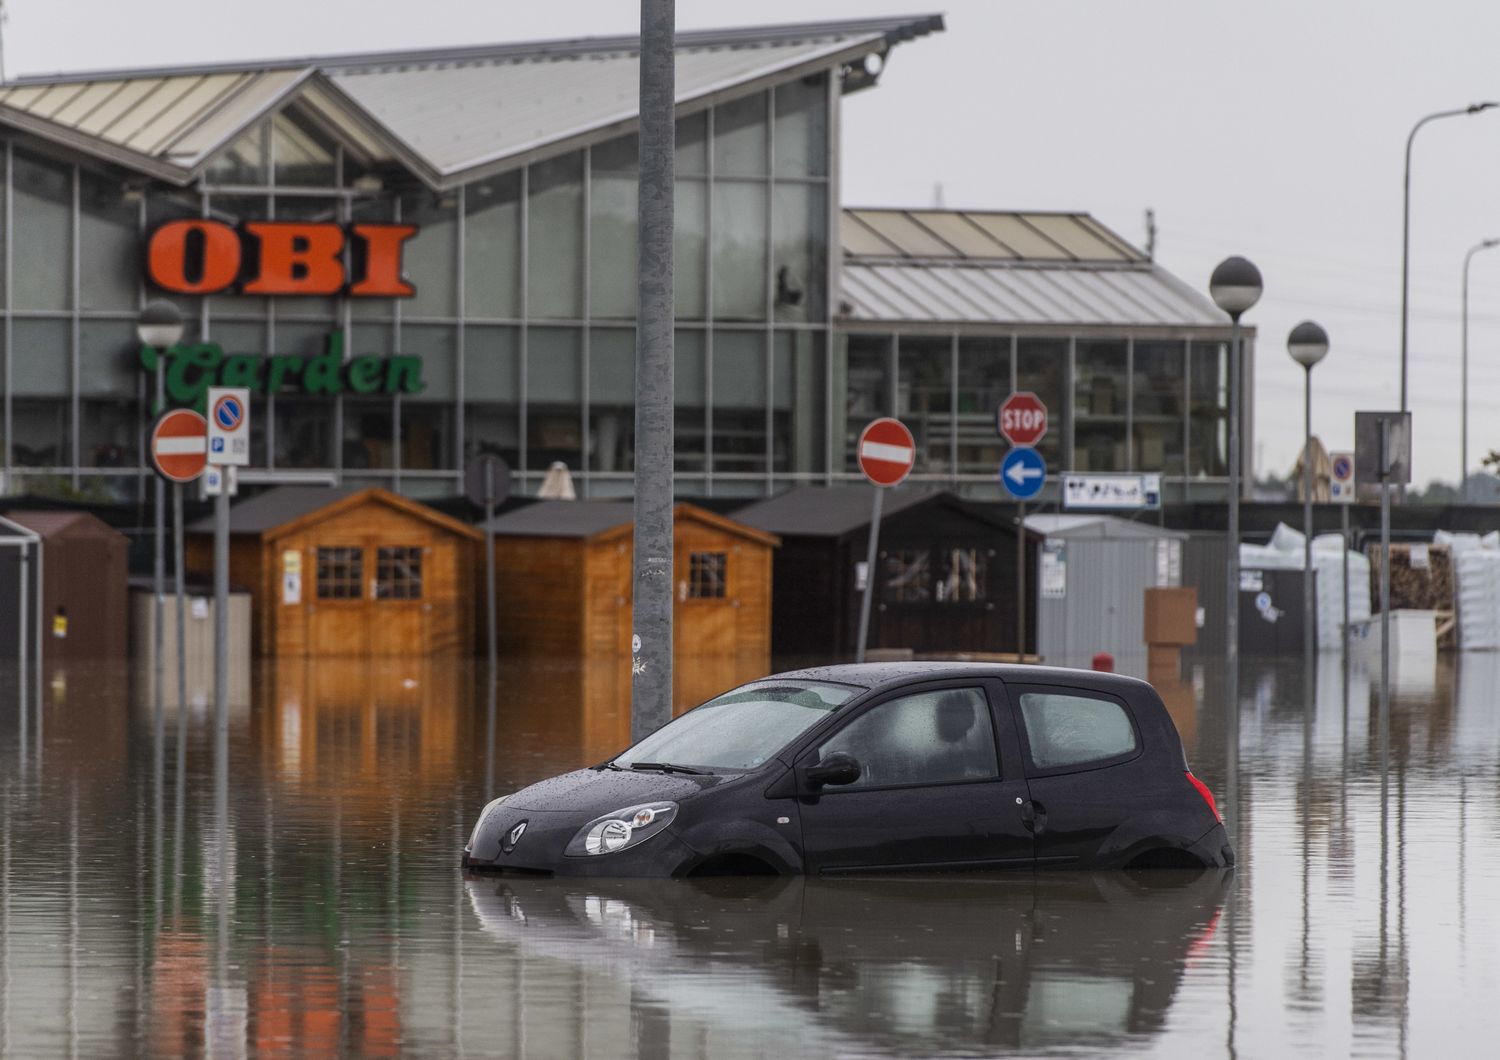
{"x":595,"y":792}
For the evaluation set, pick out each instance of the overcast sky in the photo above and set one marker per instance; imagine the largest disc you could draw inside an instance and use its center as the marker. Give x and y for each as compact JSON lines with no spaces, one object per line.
{"x":1273,"y":129}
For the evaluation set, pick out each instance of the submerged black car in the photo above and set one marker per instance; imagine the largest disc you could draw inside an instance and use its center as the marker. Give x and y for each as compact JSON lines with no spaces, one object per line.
{"x":873,"y":768}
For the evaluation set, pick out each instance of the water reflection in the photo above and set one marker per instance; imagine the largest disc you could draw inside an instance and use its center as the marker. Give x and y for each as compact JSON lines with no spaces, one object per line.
{"x":297,"y":887}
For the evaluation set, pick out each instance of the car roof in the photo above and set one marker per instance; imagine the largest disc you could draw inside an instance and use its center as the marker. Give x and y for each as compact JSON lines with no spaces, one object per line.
{"x":892,"y":674}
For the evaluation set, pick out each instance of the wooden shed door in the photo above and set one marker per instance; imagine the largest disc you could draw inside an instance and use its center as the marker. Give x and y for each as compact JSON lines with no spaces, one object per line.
{"x":369,"y":598}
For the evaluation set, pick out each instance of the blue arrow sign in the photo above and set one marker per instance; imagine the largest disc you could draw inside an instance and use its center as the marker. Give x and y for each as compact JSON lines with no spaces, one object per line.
{"x":1023,"y":473}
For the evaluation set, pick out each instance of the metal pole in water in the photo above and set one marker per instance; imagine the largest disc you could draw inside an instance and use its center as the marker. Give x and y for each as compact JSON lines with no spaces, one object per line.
{"x":23,"y":621}
{"x":1232,"y":599}
{"x":651,"y":640}
{"x":1309,"y":616}
{"x":1021,"y":581}
{"x":1385,"y":585}
{"x":489,"y":566}
{"x":870,"y":555}
{"x":177,"y":579}
{"x":221,"y":620}
{"x":1344,"y":510}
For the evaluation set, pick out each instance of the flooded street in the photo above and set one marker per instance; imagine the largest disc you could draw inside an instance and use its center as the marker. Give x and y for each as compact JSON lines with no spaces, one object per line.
{"x":307,"y":896}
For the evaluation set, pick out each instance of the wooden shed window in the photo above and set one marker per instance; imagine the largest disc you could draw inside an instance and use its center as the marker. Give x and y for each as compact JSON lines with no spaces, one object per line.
{"x":907,"y":576}
{"x":341,"y":573}
{"x":398,"y":573}
{"x":961,"y":576}
{"x":706,"y":575}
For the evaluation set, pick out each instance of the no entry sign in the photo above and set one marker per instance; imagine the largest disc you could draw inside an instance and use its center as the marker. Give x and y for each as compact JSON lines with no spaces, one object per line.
{"x":179,"y":445}
{"x":1022,"y":419}
{"x":886,"y":451}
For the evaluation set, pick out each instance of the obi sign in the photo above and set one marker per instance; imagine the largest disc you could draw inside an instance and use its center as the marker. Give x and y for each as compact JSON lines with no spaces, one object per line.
{"x":282,"y":258}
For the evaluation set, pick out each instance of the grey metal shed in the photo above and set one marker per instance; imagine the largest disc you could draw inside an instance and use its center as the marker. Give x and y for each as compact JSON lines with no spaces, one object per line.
{"x":1092,"y":582}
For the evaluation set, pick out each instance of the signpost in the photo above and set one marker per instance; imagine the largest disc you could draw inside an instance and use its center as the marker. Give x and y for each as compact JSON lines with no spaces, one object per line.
{"x":1382,"y":455}
{"x":886,"y":453}
{"x":1341,"y":491}
{"x":1105,"y":490}
{"x":487,"y":485}
{"x":228,"y":446}
{"x":1022,"y":421}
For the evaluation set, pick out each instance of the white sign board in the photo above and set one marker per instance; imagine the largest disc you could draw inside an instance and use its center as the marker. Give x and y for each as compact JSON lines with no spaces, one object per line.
{"x":1104,"y":490}
{"x":1054,"y":573}
{"x":228,"y":425}
{"x":1341,"y":478}
{"x":216,"y":480}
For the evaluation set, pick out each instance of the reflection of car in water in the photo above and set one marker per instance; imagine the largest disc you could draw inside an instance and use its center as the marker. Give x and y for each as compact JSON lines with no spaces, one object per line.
{"x":877,"y":768}
{"x":906,"y":964}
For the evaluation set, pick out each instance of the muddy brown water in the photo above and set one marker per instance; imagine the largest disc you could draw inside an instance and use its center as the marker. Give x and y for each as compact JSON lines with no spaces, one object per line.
{"x":305,"y":896}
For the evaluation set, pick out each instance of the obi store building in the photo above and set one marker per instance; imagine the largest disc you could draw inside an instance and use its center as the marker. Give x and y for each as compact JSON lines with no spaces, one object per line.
{"x":416,"y":258}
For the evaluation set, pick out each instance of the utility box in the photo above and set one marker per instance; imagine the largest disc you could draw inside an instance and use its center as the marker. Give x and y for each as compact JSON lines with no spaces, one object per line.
{"x":1171,"y":615}
{"x":1271,"y":611}
{"x":198,"y":643}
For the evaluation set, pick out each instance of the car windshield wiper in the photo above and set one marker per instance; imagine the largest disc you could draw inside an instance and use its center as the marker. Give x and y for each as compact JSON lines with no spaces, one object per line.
{"x":668,"y":767}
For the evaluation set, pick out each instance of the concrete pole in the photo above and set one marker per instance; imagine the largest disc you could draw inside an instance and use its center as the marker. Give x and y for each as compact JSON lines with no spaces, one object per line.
{"x":651,"y":643}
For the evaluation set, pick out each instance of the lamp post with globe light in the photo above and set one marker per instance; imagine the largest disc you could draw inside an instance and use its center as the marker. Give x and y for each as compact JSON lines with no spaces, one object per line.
{"x":1308,"y":344}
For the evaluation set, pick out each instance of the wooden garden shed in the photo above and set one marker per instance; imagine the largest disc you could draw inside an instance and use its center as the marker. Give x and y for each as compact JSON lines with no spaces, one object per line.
{"x":945,"y":577}
{"x":84,"y":585}
{"x":348,"y":572}
{"x":563,"y":576}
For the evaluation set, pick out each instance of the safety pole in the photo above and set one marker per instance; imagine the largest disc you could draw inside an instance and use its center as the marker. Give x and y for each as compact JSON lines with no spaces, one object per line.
{"x":1344,"y":508}
{"x":870,"y":555}
{"x":22,"y":645}
{"x":1020,"y":581}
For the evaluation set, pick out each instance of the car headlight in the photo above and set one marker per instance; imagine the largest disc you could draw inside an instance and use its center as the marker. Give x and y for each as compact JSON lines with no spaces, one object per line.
{"x":621,"y":829}
{"x":474,"y":835}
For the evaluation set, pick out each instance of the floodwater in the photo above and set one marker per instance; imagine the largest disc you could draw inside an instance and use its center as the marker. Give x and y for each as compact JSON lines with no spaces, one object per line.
{"x":299,"y":889}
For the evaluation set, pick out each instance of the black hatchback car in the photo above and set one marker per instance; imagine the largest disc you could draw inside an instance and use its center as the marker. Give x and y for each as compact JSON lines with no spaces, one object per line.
{"x":874,"y":768}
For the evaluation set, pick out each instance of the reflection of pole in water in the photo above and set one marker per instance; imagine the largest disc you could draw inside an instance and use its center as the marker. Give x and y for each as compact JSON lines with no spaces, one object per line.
{"x":1308,"y":675}
{"x":456,"y":991}
{"x":1463,"y":926}
{"x":489,"y":737}
{"x":180,"y":776}
{"x":73,"y":919}
{"x":5,"y":924}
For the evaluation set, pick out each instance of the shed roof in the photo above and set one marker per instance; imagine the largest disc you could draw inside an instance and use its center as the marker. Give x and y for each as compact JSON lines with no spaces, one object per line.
{"x":448,"y":114}
{"x":59,"y":523}
{"x":1095,"y":525}
{"x":286,"y":509}
{"x":598,"y":519}
{"x":817,"y":511}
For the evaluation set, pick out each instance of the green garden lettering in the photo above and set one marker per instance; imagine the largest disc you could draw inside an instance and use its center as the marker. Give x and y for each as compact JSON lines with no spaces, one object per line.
{"x":190,"y":370}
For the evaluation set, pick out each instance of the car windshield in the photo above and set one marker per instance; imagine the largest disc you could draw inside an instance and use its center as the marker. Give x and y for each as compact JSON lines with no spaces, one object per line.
{"x":742,"y":728}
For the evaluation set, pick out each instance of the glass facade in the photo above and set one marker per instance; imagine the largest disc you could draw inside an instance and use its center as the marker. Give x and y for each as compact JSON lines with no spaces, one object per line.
{"x":522,"y":317}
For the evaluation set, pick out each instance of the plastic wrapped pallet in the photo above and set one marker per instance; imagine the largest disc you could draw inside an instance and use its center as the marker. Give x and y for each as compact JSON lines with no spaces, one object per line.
{"x":1476,"y":570}
{"x":1421,"y":580}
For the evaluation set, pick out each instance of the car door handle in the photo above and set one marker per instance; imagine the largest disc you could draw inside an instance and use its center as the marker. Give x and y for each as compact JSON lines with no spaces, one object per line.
{"x":1034,"y":816}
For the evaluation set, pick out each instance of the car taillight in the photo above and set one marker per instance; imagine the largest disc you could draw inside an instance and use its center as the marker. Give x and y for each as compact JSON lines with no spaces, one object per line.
{"x":1208,"y":796}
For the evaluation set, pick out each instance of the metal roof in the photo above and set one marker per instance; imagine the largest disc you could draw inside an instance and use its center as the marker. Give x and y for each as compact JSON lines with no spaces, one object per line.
{"x":1096,"y":526}
{"x":451,"y":115}
{"x":1006,"y":269}
{"x":817,"y":511}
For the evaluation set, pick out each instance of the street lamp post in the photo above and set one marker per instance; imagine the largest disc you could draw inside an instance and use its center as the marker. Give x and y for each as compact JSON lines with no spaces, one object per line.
{"x":159,"y":327}
{"x":1463,"y":416}
{"x":1308,"y":344}
{"x":1472,"y":108}
{"x":1235,"y":286}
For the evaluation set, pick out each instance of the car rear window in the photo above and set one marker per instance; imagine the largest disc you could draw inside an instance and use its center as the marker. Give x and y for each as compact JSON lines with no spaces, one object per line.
{"x":1067,"y":729}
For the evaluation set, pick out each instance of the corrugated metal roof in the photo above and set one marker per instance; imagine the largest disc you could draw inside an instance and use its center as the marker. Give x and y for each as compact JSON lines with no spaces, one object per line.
{"x":816,"y":511}
{"x":1109,"y":527}
{"x":451,"y":114}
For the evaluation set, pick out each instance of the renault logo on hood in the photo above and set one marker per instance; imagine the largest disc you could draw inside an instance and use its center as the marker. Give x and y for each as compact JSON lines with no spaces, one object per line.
{"x":513,"y":837}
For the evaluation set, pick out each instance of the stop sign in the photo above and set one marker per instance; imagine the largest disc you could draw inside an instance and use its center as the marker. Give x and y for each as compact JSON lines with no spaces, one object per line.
{"x":886,"y":451}
{"x":179,"y":445}
{"x":1022,"y":419}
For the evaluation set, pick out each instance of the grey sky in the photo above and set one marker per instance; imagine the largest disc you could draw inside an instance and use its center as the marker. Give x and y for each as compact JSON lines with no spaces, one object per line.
{"x":1273,"y":129}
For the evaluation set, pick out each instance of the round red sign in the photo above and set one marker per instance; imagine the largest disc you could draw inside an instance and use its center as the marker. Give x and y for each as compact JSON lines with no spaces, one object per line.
{"x":1022,"y":419}
{"x":886,"y":451}
{"x":179,"y":445}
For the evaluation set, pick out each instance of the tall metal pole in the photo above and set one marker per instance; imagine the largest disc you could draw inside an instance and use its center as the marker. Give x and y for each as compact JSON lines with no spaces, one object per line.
{"x":1021,"y":581}
{"x":221,"y":620}
{"x":651,"y":642}
{"x":1232,"y":599}
{"x":1463,"y":415}
{"x":178,"y":577}
{"x":1385,"y":594}
{"x":1344,"y":521}
{"x":159,"y":599}
{"x":1308,"y":611}
{"x":870,"y":556}
{"x":489,"y":567}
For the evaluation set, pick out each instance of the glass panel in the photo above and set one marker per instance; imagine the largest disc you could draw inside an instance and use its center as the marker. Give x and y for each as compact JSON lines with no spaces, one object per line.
{"x":304,"y":432}
{"x":611,"y":399}
{"x":692,"y":144}
{"x":740,"y":137}
{"x":398,"y":573}
{"x":930,"y":738}
{"x":1208,"y":402}
{"x":690,"y":249}
{"x":492,"y":383}
{"x":612,"y":232}
{"x":801,"y":407}
{"x":41,"y":432}
{"x":431,"y":256}
{"x":1066,"y":730}
{"x":555,"y":235}
{"x":554,"y":398}
{"x":242,"y":162}
{"x":302,"y":156}
{"x":906,"y":576}
{"x":109,"y":432}
{"x":341,"y":573}
{"x":110,"y":230}
{"x":1099,"y":407}
{"x":801,"y":251}
{"x":41,"y":359}
{"x":960,"y":576}
{"x":924,"y":401}
{"x":109,"y":359}
{"x":706,"y":575}
{"x":739,"y":251}
{"x":426,"y":435}
{"x":867,"y":388}
{"x":983,"y":383}
{"x":492,"y":247}
{"x":802,"y":127}
{"x":369,"y":434}
{"x":1042,"y":368}
{"x":739,"y":442}
{"x":43,"y":236}
{"x":436,"y":345}
{"x":1157,"y":416}
{"x":689,"y":381}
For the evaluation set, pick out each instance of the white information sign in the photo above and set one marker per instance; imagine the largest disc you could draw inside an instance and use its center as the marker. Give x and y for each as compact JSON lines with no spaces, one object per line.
{"x":1102,"y":490}
{"x":228,"y":425}
{"x":1341,"y":478}
{"x":1054,"y":573}
{"x":216,"y":480}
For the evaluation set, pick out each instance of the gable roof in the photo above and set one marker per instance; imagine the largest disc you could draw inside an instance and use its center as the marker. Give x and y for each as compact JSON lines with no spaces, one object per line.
{"x":450,"y":115}
{"x":587,"y":520}
{"x":1096,"y":525}
{"x":53,"y":523}
{"x":833,"y":511}
{"x":287,"y":509}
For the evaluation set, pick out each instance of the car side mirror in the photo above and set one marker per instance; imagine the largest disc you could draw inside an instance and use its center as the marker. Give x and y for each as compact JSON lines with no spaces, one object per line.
{"x":839,"y":767}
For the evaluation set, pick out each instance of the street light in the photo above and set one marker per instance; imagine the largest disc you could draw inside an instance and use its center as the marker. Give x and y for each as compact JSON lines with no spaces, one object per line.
{"x":1235,"y":286}
{"x":1463,"y":476}
{"x":1472,"y":108}
{"x":159,"y":325}
{"x":1308,"y":344}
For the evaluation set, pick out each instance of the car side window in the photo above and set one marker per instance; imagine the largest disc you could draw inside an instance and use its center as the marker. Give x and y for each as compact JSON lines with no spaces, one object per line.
{"x":928,"y":738}
{"x":1067,"y":729}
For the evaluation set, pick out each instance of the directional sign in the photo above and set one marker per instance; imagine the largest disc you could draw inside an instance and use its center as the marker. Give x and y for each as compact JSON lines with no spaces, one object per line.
{"x":179,"y":445}
{"x":487,"y":481}
{"x":1022,"y":419}
{"x":228,"y":425}
{"x":1023,"y":473}
{"x":1341,"y":478}
{"x":886,"y":451}
{"x":1111,"y":490}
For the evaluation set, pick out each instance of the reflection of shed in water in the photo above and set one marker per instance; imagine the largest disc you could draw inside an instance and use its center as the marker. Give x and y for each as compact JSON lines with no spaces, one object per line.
{"x":348,"y":572}
{"x":563,"y":577}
